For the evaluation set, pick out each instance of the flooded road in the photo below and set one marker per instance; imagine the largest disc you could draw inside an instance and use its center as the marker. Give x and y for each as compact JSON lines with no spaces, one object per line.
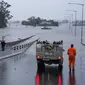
{"x":22,"y":69}
{"x":18,"y":70}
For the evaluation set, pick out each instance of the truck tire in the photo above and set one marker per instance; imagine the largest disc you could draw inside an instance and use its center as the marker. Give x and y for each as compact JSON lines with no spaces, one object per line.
{"x":60,"y":67}
{"x":61,"y":62}
{"x":41,"y":66}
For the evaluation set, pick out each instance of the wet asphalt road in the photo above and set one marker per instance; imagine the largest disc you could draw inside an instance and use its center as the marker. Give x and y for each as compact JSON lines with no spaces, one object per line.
{"x":22,"y":69}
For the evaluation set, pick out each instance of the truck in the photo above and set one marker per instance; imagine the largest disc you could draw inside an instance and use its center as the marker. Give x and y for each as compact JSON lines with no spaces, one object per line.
{"x":49,"y":53}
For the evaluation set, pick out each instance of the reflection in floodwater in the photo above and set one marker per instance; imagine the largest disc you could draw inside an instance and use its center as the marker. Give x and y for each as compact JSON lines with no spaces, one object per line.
{"x":9,"y":69}
{"x":72,"y":79}
{"x":18,"y":57}
{"x":37,"y":79}
{"x":51,"y":76}
{"x":2,"y":73}
{"x":60,"y":80}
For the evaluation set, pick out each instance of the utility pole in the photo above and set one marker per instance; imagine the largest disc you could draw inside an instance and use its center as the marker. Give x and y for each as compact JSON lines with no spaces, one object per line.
{"x":82,"y":19}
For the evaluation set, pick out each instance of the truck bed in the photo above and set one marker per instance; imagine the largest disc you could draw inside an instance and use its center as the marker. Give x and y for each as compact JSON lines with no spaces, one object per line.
{"x":49,"y":51}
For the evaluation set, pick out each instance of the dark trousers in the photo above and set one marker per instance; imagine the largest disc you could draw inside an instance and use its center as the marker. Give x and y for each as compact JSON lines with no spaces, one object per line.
{"x":3,"y":47}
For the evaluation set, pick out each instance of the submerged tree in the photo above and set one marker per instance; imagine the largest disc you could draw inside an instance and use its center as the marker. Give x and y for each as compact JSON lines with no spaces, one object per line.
{"x":4,"y":14}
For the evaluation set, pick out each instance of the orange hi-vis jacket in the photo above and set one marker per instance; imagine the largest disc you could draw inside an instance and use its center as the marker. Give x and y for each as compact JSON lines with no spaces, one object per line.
{"x":72,"y":53}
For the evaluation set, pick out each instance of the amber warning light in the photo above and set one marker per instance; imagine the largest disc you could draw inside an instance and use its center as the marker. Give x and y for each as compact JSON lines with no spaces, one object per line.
{"x":38,"y":57}
{"x":59,"y":57}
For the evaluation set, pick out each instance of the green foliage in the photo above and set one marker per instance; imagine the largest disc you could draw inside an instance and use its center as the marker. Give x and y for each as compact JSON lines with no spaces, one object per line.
{"x":33,"y":21}
{"x":4,"y":14}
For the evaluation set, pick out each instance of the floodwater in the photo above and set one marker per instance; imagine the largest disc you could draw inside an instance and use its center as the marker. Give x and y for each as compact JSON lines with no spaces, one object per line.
{"x":22,"y":69}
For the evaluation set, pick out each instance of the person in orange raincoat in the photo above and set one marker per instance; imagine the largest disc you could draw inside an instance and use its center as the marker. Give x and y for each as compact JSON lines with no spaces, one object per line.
{"x":71,"y":53}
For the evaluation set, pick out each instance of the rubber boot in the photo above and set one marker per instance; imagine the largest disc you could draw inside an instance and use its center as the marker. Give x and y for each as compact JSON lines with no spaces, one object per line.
{"x":69,"y":69}
{"x":73,"y":69}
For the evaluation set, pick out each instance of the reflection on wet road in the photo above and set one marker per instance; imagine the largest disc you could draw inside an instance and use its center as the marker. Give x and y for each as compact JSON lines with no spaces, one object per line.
{"x":51,"y":76}
{"x":72,"y":79}
{"x":54,"y":76}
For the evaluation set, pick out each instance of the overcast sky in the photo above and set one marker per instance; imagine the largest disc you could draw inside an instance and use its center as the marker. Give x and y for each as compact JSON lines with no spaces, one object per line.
{"x":49,"y":9}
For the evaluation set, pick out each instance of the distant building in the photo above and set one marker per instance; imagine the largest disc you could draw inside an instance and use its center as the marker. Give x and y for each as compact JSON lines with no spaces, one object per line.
{"x":79,"y":23}
{"x":45,"y":23}
{"x":64,"y":21}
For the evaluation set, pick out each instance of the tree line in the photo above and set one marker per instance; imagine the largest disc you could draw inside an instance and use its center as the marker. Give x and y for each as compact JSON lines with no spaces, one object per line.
{"x":33,"y":21}
{"x":4,"y":14}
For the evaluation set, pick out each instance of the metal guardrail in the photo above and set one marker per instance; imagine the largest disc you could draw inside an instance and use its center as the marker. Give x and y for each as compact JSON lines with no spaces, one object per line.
{"x":83,"y":44}
{"x":11,"y":52}
{"x":10,"y":44}
{"x":19,"y":41}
